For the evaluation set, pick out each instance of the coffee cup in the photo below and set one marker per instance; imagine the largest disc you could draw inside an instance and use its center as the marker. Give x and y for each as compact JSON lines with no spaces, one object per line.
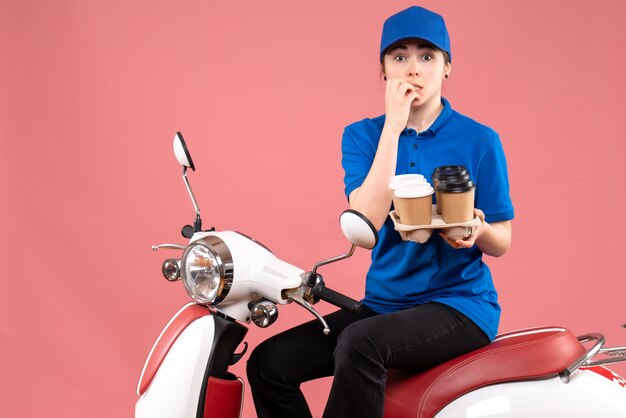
{"x":446,"y":172}
{"x":413,"y":203}
{"x":457,"y":200}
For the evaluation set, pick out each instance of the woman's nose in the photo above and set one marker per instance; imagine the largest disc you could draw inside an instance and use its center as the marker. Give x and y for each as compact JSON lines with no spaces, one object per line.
{"x":413,"y":70}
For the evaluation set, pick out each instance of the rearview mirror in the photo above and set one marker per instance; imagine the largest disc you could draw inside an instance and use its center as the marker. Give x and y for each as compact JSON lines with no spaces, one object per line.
{"x":181,"y":152}
{"x":358,"y":229}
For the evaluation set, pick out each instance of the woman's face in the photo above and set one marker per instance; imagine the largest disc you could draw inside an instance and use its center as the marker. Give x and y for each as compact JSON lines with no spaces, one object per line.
{"x":420,"y":64}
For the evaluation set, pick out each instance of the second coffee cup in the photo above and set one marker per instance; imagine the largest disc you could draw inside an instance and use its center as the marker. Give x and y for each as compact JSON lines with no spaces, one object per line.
{"x":443,"y":173}
{"x":457,"y":200}
{"x":413,"y":203}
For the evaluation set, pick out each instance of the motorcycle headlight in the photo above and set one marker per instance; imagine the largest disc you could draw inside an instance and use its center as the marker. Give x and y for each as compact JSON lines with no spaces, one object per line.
{"x":207,"y":270}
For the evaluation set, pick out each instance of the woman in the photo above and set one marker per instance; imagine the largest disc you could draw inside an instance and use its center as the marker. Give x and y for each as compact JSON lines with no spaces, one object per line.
{"x":424,"y":303}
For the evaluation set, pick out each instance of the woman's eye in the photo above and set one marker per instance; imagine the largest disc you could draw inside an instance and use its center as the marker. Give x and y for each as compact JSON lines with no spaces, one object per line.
{"x":399,"y":58}
{"x":427,"y":57}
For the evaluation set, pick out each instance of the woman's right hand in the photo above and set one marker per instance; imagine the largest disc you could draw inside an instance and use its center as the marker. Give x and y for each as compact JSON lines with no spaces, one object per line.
{"x":373,"y":198}
{"x":399,"y":95}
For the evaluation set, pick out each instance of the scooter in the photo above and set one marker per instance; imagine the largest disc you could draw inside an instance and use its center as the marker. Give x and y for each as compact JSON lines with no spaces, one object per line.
{"x":234,"y":279}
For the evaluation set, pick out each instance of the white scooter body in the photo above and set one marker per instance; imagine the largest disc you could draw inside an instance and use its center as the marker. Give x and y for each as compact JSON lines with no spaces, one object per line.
{"x":259,"y":272}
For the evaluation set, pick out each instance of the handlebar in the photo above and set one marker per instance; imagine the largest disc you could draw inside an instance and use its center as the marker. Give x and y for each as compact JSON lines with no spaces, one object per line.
{"x":339,"y":300}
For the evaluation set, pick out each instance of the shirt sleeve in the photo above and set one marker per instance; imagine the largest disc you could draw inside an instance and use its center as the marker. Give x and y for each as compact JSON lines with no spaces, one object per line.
{"x":492,"y":185}
{"x":356,"y":160}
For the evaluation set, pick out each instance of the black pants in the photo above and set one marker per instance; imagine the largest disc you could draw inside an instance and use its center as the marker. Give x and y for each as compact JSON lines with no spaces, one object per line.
{"x":359,"y":350}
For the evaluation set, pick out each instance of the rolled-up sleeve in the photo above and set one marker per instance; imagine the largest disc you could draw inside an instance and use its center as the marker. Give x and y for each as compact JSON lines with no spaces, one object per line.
{"x":492,"y":191}
{"x":356,"y":160}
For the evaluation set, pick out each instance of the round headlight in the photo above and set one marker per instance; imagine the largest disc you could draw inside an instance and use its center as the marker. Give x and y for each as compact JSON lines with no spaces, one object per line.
{"x":207,"y":270}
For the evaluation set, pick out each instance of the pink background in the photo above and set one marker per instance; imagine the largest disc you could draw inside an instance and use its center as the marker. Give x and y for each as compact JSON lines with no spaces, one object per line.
{"x":91,"y":94}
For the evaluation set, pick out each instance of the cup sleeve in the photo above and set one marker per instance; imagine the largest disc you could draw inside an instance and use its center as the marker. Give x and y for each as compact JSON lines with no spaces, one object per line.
{"x":356,"y":160}
{"x":492,"y":185}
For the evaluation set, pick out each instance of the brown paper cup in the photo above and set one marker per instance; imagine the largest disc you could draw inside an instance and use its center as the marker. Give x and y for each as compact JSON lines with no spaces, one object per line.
{"x":447,"y":172}
{"x":414,"y":204}
{"x":457,"y":207}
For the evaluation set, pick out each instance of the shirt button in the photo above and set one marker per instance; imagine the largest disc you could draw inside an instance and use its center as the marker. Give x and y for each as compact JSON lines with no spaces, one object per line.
{"x":414,"y":146}
{"x":410,"y":131}
{"x":412,"y":164}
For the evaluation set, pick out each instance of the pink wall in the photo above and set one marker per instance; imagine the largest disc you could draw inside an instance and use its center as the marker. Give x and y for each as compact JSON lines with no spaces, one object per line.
{"x":91,"y":94}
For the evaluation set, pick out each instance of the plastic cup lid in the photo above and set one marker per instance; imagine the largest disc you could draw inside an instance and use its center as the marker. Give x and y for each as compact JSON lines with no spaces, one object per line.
{"x":446,"y":171}
{"x":456,"y":185}
{"x":414,"y":190}
{"x":398,"y":180}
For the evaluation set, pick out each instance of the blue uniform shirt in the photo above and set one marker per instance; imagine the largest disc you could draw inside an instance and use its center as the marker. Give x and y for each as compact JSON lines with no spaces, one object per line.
{"x":405,"y":273}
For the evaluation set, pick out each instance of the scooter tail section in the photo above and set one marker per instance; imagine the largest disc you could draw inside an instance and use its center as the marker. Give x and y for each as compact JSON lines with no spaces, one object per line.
{"x":588,"y":394}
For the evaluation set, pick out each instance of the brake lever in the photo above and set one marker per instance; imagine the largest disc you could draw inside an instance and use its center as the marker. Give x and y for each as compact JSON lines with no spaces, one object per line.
{"x":297,"y":298}
{"x":168,"y":247}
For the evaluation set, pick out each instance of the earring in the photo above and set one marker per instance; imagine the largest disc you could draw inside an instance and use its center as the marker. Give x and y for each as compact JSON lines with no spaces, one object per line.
{"x":385,"y":77}
{"x":446,"y":76}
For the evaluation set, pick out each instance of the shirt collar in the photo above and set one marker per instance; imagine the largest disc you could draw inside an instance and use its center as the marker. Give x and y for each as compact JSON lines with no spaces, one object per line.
{"x":443,"y":117}
{"x":441,"y":120}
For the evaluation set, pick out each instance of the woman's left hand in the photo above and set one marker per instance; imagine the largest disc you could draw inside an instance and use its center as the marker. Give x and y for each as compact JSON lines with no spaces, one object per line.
{"x":471,"y":240}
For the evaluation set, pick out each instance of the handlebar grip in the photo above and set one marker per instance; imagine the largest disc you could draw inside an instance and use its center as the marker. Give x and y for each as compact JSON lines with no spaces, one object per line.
{"x":339,"y":300}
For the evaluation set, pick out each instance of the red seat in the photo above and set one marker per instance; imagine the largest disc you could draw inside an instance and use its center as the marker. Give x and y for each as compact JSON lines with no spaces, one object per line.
{"x":535,"y":353}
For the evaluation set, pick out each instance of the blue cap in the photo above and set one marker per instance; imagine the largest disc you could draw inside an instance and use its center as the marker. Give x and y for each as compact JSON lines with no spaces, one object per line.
{"x":415,"y":22}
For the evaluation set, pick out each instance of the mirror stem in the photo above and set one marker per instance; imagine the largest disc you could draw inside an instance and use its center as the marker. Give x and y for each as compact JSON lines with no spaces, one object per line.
{"x":332,"y":260}
{"x":197,"y":224}
{"x":198,"y":221}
